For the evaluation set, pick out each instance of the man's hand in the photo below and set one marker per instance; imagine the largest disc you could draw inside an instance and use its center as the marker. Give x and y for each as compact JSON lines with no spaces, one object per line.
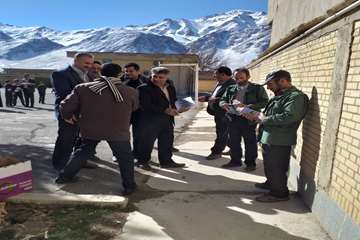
{"x":71,"y":120}
{"x":226,"y":107}
{"x":238,"y":103}
{"x":171,"y":111}
{"x":183,"y":109}
{"x":254,"y":117}
{"x":202,"y":99}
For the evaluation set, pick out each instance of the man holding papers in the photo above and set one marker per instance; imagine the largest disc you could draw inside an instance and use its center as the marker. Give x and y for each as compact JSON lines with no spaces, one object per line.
{"x":157,"y":101}
{"x":280,"y":121}
{"x":243,"y":98}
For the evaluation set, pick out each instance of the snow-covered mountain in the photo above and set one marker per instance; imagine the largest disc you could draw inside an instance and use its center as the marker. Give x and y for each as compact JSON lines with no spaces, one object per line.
{"x":233,"y":38}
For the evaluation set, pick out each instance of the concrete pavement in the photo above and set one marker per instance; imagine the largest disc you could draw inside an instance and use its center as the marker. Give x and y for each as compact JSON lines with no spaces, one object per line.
{"x":200,"y":202}
{"x":206,"y":202}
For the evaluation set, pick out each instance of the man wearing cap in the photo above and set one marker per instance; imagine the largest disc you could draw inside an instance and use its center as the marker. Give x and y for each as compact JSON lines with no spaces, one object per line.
{"x":106,"y":104}
{"x":157,"y":104}
{"x":243,"y":94}
{"x":279,"y":123}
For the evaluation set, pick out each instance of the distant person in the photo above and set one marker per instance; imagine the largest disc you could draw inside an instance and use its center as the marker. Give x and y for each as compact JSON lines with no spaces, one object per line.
{"x":18,"y":92}
{"x":243,"y":94}
{"x":157,"y":101}
{"x":94,"y":71}
{"x":28,"y":86}
{"x":279,"y":123}
{"x":147,"y":74}
{"x":106,"y":104}
{"x":42,"y":92}
{"x":134,"y":79}
{"x":1,"y":103}
{"x":223,"y":76}
{"x":8,"y":93}
{"x":64,"y":81}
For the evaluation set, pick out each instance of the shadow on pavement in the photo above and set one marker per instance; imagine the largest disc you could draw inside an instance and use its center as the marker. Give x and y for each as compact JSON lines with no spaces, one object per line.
{"x":10,"y":111}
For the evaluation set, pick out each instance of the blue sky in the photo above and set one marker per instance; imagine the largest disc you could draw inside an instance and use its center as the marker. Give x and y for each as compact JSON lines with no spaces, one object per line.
{"x":76,"y":14}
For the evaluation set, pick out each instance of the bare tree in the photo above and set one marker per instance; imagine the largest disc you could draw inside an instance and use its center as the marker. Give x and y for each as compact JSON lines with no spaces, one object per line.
{"x":208,"y":61}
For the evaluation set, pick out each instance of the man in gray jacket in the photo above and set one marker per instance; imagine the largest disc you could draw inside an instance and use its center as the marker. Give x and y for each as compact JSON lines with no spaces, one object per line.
{"x":103,"y":110}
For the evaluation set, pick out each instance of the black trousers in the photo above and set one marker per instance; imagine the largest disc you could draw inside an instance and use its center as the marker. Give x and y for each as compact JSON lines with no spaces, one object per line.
{"x":121,"y":150}
{"x":162,"y":129}
{"x":20,"y":96}
{"x":222,"y":134}
{"x":136,"y":137}
{"x":8,"y":99}
{"x":29,"y":99}
{"x":276,"y":165}
{"x":42,"y":97}
{"x":65,"y":141}
{"x":239,"y":129}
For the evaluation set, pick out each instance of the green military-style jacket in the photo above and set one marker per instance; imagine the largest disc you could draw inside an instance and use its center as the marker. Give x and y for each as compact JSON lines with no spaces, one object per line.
{"x":255,"y":98}
{"x":283,"y":115}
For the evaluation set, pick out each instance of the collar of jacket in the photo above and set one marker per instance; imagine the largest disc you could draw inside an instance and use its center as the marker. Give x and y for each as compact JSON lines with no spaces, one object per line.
{"x":286,"y":91}
{"x":72,"y":71}
{"x":226,"y":83}
{"x":168,"y":84}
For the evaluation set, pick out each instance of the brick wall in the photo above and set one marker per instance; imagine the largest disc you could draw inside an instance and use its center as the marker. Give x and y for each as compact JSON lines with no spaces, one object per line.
{"x":345,"y":183}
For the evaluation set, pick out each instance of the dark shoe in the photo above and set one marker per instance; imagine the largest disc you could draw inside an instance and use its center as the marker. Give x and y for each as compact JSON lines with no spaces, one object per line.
{"x":232,"y":165}
{"x":90,"y":165}
{"x":128,"y":191}
{"x":267,"y":198}
{"x":63,"y":180}
{"x":173,"y":165}
{"x":263,"y":185}
{"x":213,"y":156}
{"x":144,"y":166}
{"x":95,"y":158}
{"x":250,"y":168}
{"x":174,"y":149}
{"x":227,"y":153}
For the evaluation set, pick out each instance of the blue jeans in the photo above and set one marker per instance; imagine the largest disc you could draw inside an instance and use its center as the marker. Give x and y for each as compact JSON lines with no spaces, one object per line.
{"x":121,"y":150}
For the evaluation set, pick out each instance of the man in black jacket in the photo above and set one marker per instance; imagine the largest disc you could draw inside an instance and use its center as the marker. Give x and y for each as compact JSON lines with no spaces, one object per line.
{"x":1,"y":103}
{"x":42,"y":92}
{"x":157,"y":102}
{"x":134,"y":79}
{"x":64,"y":81}
{"x":223,"y":76}
{"x":17,"y":92}
{"x":28,"y":86}
{"x":8,"y":93}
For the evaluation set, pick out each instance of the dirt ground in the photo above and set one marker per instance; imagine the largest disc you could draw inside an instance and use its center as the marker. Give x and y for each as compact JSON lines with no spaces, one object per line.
{"x":35,"y":222}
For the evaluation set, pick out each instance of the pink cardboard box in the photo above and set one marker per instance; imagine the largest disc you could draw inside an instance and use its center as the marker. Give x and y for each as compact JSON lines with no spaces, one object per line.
{"x":15,"y":179}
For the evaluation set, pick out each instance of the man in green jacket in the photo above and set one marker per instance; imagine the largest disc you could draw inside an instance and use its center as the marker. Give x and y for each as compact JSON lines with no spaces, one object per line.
{"x":280,"y":122}
{"x":243,"y":94}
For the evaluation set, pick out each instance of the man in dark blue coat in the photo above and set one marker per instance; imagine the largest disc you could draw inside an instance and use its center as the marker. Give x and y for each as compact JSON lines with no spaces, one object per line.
{"x":64,"y":81}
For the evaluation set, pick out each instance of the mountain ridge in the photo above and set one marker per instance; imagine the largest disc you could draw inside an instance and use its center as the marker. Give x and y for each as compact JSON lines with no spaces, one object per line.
{"x":233,"y":38}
